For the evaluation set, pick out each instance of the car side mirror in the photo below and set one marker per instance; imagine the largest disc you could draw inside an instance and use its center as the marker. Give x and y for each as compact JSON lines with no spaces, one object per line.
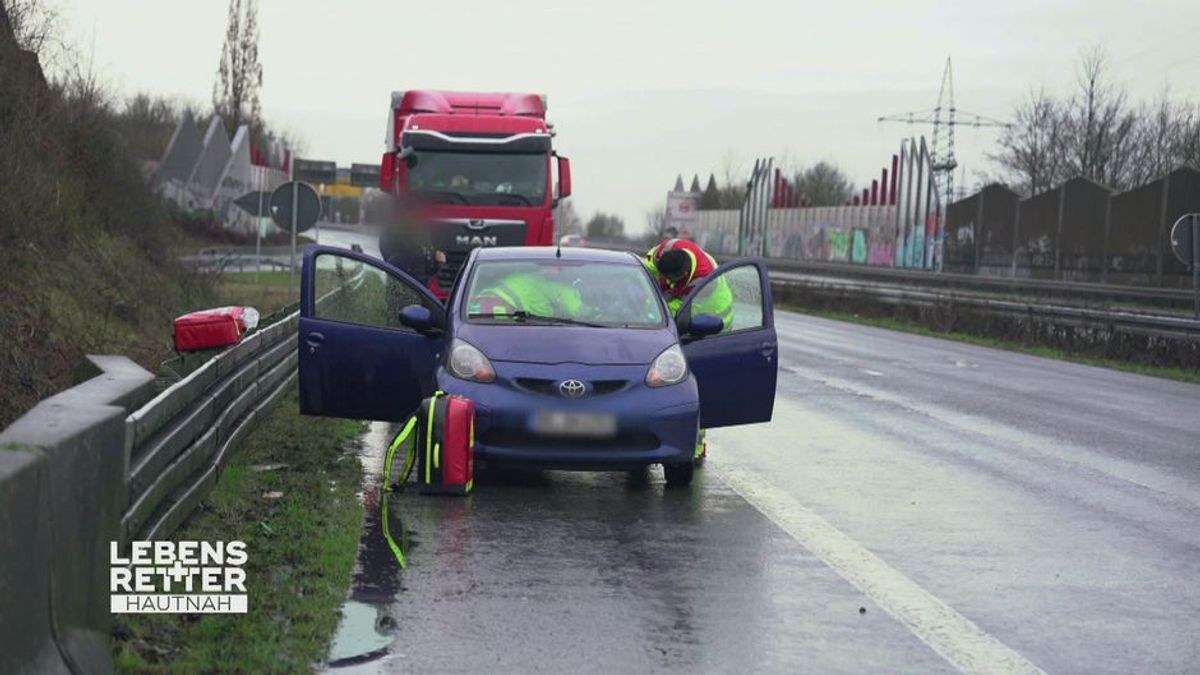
{"x":417,"y":317}
{"x":703,"y":325}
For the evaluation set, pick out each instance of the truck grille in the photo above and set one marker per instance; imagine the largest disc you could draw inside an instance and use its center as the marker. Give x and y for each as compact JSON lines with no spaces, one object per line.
{"x":457,"y":237}
{"x":447,"y":273}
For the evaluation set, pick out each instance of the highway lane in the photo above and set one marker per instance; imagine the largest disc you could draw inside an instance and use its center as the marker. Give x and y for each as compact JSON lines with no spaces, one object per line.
{"x":1053,"y":504}
{"x":985,"y":509}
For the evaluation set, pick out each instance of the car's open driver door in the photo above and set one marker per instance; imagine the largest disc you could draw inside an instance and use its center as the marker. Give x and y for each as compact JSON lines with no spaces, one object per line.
{"x":736,"y":368}
{"x":357,"y":359}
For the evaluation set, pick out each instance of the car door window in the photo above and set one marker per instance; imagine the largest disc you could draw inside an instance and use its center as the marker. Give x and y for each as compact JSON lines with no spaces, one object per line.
{"x":735,"y":296}
{"x":349,"y":291}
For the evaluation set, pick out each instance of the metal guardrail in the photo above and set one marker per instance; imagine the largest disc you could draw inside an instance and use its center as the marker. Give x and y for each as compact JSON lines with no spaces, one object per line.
{"x":241,"y":262}
{"x":181,"y":438}
{"x":1103,"y":319}
{"x":1024,"y":286}
{"x":117,"y":458}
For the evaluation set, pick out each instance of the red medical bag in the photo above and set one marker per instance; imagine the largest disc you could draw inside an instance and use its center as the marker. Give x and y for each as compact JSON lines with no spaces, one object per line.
{"x":446,"y":445}
{"x":211,"y":328}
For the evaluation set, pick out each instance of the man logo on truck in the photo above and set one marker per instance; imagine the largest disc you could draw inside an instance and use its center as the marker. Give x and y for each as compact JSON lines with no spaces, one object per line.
{"x":464,"y":240}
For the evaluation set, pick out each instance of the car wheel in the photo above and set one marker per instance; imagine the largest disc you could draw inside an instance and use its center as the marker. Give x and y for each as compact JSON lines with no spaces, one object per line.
{"x":679,"y":474}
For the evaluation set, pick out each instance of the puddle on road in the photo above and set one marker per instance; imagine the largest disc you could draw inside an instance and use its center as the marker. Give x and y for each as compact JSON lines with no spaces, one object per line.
{"x":367,"y":626}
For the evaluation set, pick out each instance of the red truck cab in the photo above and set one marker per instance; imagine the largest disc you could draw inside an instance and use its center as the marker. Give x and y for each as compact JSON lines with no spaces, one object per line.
{"x":482,"y":165}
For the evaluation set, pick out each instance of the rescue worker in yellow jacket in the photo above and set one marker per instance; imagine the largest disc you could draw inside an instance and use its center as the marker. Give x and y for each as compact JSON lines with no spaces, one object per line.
{"x":678,"y":265}
{"x":530,"y":293}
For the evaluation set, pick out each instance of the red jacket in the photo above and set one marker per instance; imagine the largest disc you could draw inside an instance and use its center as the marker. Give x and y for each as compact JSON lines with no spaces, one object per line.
{"x":702,"y":265}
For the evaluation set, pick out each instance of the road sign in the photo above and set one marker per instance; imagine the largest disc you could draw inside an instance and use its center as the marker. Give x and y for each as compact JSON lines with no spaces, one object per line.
{"x":251,"y":202}
{"x":306,"y":200}
{"x":1185,"y":244}
{"x":1182,"y":234}
{"x":364,"y":175}
{"x":314,"y":171}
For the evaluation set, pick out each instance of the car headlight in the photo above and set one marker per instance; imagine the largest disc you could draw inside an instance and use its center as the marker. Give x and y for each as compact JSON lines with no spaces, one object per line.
{"x":469,"y":363}
{"x":669,"y":367}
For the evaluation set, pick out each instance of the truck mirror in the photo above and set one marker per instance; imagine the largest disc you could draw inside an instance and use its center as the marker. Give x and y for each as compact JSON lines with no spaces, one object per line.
{"x":564,"y":177}
{"x":409,"y":156}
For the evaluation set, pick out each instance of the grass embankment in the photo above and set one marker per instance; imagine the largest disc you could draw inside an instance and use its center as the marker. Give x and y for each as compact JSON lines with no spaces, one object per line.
{"x":301,"y":526}
{"x":1181,"y":374}
{"x":267,"y":293}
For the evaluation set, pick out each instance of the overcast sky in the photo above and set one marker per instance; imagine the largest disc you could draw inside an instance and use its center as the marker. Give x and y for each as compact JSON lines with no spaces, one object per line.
{"x":643,"y":90}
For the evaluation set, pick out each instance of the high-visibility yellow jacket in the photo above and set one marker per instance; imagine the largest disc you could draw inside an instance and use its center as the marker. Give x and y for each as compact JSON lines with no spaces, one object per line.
{"x":532,"y":293}
{"x":717,"y":297}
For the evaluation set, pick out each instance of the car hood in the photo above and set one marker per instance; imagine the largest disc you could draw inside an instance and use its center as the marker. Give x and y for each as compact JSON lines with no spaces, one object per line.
{"x":567,"y":344}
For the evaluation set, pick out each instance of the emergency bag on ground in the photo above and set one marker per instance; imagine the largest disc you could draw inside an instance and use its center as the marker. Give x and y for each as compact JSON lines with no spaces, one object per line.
{"x":440,"y":442}
{"x":446,"y":460}
{"x":212,"y":328}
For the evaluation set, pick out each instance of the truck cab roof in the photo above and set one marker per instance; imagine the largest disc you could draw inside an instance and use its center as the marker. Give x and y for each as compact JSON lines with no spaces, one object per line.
{"x":468,"y":103}
{"x":456,"y":116}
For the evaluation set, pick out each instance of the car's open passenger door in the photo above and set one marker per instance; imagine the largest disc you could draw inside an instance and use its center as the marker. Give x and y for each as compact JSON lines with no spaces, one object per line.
{"x":357,"y":359}
{"x":736,"y":368}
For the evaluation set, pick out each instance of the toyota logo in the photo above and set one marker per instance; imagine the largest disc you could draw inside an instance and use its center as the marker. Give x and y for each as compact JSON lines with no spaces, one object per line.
{"x":571,"y":388}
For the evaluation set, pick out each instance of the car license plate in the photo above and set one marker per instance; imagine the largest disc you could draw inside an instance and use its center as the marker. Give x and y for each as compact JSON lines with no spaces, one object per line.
{"x":592,"y":425}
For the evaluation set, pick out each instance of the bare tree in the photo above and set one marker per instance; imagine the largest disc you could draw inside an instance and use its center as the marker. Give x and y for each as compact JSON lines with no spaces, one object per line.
{"x":605,"y":227}
{"x":655,"y":220}
{"x":146,"y":123}
{"x":239,"y":75}
{"x":567,"y":219}
{"x":1186,"y":144}
{"x":1155,"y":144}
{"x":33,"y":24}
{"x":1100,"y":126}
{"x":823,"y":184}
{"x":1096,"y":133}
{"x":1032,"y":149}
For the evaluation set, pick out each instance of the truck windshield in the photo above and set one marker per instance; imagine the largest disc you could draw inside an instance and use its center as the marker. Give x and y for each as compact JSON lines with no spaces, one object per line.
{"x":479,"y":178}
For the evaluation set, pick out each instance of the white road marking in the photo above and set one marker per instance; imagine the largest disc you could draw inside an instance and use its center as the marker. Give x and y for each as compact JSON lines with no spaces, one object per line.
{"x":954,"y":637}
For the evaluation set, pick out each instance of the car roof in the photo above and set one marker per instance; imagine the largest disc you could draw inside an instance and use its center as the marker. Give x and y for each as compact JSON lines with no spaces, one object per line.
{"x":534,"y":253}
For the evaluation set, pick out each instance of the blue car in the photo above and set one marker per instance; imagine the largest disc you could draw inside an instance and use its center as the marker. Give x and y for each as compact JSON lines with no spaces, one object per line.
{"x":595,"y":375}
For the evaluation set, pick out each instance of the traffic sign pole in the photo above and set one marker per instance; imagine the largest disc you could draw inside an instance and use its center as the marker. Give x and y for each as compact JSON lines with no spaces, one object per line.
{"x":1196,"y":267}
{"x":258,"y":223}
{"x":292,"y":268}
{"x":1188,"y":252}
{"x":296,"y":212}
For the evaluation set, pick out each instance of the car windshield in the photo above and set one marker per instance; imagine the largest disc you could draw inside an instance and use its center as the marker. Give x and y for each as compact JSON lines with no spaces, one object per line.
{"x":479,"y":178}
{"x":563,"y":292}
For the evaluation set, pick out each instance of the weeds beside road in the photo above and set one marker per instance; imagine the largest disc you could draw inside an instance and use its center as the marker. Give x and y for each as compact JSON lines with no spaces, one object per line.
{"x":290,"y":493}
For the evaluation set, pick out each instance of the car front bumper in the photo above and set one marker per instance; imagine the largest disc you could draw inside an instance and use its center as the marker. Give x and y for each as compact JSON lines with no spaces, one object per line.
{"x":653,"y":426}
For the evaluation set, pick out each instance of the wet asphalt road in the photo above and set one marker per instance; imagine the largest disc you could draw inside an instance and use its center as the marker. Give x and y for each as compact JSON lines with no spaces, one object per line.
{"x":986,"y":509}
{"x":916,"y":505}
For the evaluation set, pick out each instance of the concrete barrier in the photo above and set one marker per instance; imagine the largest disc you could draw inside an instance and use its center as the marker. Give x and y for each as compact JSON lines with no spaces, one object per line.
{"x":110,"y":460}
{"x":27,"y":642}
{"x":79,"y":436}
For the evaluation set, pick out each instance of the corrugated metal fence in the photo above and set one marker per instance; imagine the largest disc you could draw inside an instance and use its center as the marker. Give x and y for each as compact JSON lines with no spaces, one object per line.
{"x":896,"y":222}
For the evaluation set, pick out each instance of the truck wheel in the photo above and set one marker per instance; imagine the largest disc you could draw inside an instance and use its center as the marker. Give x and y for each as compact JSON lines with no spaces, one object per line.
{"x":679,"y":475}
